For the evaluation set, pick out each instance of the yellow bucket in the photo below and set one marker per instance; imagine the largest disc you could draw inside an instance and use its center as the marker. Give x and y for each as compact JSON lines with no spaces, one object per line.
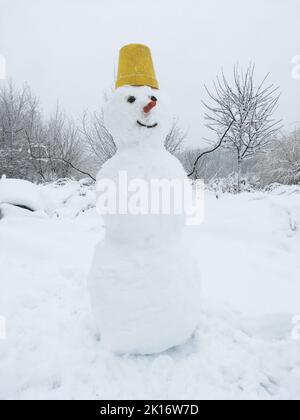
{"x":136,"y":67}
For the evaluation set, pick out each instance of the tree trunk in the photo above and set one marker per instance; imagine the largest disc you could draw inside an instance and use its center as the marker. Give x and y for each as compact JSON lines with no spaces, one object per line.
{"x":239,"y":176}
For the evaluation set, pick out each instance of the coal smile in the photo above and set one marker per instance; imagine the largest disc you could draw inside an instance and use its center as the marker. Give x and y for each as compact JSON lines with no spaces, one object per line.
{"x":147,"y":126}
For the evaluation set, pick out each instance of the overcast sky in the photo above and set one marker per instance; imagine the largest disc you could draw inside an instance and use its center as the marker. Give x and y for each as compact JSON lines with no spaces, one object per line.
{"x":67,"y":50}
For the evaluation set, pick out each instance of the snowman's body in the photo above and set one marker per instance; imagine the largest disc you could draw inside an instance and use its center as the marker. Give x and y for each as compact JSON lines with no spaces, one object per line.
{"x":144,"y":285}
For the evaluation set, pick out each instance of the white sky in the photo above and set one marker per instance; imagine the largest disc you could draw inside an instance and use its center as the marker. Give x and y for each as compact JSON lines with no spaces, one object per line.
{"x":67,"y":50}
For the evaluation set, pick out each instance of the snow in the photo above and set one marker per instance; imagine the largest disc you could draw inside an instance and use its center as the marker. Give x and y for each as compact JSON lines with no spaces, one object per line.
{"x":248,"y":248}
{"x":255,"y":238}
{"x":9,"y":210}
{"x":20,"y":193}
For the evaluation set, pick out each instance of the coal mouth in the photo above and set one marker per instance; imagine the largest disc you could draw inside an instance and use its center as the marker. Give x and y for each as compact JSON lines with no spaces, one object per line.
{"x":147,"y":126}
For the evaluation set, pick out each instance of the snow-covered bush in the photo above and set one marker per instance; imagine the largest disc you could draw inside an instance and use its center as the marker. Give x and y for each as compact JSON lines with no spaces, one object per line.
{"x":281,"y":163}
{"x":281,"y":189}
{"x":229,"y":184}
{"x":69,"y":198}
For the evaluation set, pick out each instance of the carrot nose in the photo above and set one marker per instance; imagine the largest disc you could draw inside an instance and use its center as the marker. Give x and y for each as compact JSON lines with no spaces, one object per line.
{"x":150,"y":105}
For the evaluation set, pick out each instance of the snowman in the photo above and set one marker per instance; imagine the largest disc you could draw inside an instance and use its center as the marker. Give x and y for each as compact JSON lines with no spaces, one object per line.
{"x":143,"y":284}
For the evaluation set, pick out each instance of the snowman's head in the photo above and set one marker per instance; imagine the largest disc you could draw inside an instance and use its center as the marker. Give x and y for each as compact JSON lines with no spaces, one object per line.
{"x":137,"y":116}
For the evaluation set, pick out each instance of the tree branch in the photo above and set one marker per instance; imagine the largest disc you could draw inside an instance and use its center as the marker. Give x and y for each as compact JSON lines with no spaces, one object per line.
{"x":52,"y":158}
{"x":219,"y":144}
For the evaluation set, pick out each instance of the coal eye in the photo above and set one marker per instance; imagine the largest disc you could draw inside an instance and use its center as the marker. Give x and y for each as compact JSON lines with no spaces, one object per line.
{"x":131,"y":99}
{"x":153,"y":98}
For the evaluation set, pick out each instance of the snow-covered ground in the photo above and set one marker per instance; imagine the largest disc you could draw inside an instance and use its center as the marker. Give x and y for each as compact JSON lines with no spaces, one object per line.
{"x":248,"y":248}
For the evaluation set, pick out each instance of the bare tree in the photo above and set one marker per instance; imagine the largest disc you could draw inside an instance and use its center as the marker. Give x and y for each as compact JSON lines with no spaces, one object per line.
{"x":56,"y":148}
{"x":244,"y":112}
{"x":18,"y":109}
{"x":98,"y":143}
{"x":32,"y":147}
{"x":175,"y":139}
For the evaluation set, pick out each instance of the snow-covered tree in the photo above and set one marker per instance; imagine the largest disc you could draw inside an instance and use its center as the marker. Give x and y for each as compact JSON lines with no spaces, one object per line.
{"x":55,"y":147}
{"x":34,"y":147}
{"x":175,"y":139}
{"x":98,"y":143}
{"x":245,"y":112}
{"x":18,"y":110}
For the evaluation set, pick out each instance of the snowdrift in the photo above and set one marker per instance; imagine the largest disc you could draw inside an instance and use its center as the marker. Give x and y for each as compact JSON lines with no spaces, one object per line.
{"x":20,"y":193}
{"x":248,"y":249}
